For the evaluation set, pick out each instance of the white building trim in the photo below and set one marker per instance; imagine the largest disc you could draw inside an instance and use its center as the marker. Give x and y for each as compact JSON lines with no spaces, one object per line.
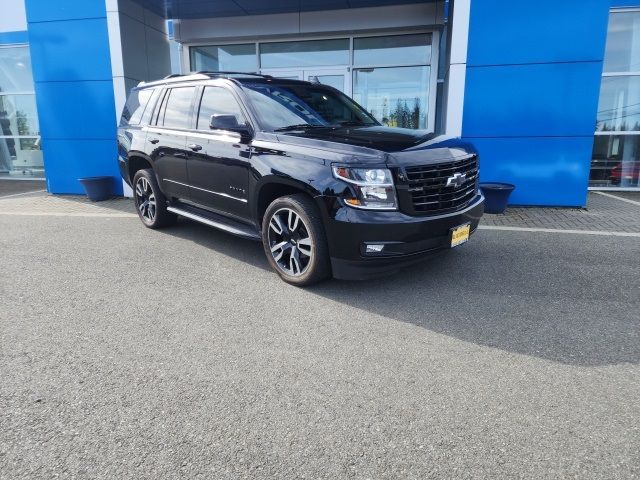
{"x":458,"y":67}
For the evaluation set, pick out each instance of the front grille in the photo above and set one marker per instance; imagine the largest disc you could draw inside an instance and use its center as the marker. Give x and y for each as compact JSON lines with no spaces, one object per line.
{"x":428,"y":190}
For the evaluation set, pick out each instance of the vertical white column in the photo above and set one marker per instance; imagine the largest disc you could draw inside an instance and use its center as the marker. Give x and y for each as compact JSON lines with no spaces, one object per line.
{"x":117,"y":66}
{"x":457,"y":66}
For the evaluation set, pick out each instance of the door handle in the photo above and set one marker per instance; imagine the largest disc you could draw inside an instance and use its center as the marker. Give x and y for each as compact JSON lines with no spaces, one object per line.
{"x":154,"y":140}
{"x":195,"y":147}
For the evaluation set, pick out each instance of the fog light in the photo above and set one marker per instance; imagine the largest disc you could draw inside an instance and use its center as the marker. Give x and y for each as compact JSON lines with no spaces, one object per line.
{"x":374,"y":248}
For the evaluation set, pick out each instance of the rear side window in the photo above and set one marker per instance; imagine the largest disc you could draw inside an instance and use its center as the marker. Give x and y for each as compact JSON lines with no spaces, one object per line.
{"x":177,"y":108}
{"x":134,"y":108}
{"x":148,"y":111}
{"x":218,"y":101}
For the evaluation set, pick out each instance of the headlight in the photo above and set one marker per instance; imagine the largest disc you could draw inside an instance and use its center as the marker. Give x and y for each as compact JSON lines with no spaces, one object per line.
{"x":374,"y":187}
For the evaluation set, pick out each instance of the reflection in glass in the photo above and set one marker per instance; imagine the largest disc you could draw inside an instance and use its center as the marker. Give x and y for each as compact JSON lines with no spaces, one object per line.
{"x":179,"y":101}
{"x":18,"y":115}
{"x":217,"y":101}
{"x":335,"y":81}
{"x":235,"y":58}
{"x":615,"y":161}
{"x":619,"y":106}
{"x":303,"y":54}
{"x":15,"y":70}
{"x":623,"y":43}
{"x":303,"y":105}
{"x":396,"y":96}
{"x":390,"y":50}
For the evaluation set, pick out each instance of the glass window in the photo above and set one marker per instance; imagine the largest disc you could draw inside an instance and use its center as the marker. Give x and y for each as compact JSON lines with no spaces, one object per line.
{"x":619,"y":106}
{"x":15,"y":70}
{"x":235,"y":58}
{"x":280,"y":106}
{"x":135,"y":106}
{"x":148,"y":111}
{"x":393,"y":50}
{"x":623,"y":43}
{"x":19,"y":147}
{"x":18,"y":115}
{"x":304,"y":54}
{"x":218,"y":101}
{"x":395,"y":96}
{"x":177,"y":112}
{"x":615,"y":161}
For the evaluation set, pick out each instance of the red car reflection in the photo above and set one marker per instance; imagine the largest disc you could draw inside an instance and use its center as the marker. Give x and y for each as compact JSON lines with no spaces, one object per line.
{"x":629,"y":171}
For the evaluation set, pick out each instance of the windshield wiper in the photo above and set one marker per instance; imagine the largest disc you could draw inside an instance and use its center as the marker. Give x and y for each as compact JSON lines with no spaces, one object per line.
{"x":300,"y":126}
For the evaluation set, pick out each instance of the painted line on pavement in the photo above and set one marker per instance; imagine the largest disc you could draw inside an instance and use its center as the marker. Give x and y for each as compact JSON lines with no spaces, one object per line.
{"x":632,"y":202}
{"x":557,"y":230}
{"x":70,"y":214}
{"x":21,"y":193}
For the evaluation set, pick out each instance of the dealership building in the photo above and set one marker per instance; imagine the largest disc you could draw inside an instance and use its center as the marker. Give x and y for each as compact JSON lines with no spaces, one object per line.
{"x":547,"y":91}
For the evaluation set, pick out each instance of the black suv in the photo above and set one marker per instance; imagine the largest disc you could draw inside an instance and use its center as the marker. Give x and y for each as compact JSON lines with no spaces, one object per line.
{"x":299,"y":166}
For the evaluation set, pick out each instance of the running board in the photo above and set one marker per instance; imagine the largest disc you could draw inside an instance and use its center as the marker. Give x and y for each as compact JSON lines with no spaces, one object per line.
{"x":216,"y":221}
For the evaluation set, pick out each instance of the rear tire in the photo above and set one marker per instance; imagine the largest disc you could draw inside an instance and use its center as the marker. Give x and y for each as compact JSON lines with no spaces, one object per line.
{"x":151,"y":204}
{"x":294,"y":240}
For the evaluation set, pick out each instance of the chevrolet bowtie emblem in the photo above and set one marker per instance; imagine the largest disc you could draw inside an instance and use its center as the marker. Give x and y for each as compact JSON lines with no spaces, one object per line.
{"x":456,"y":180}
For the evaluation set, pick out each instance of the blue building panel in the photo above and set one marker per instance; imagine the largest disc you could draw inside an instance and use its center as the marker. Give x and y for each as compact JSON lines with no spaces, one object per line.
{"x":74,"y":91}
{"x":69,"y":159}
{"x":50,"y":10}
{"x":548,"y":171}
{"x":531,"y":94}
{"x":70,"y":50}
{"x":8,"y":38}
{"x":76,"y":110}
{"x":552,"y":99}
{"x":517,"y":32}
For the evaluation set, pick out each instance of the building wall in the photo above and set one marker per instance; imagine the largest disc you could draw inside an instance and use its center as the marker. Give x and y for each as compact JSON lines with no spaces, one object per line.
{"x":309,"y":23}
{"x":74,"y":91}
{"x":82,"y":75}
{"x":139,"y":46}
{"x":531,"y":94}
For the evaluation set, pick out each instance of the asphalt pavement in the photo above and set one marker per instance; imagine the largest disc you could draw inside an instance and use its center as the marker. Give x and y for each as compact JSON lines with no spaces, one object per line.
{"x":131,"y":353}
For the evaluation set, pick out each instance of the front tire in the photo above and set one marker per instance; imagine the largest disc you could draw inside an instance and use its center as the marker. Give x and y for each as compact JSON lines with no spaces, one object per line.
{"x":151,"y":204}
{"x":294,"y":240}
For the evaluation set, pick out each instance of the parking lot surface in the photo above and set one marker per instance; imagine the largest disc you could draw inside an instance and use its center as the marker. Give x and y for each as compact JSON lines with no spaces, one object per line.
{"x":131,"y":353}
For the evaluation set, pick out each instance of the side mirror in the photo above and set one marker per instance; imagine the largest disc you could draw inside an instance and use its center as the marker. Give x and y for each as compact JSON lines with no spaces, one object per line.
{"x":230,"y":123}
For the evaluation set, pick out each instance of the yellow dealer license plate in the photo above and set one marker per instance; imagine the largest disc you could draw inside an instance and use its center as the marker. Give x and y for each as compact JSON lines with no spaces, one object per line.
{"x":460,"y":235}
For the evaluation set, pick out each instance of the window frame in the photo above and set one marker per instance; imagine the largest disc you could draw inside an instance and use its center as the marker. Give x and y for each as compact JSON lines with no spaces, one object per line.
{"x":622,"y":133}
{"x":30,"y":92}
{"x":433,"y":64}
{"x":162,"y":109}
{"x":200,"y":97}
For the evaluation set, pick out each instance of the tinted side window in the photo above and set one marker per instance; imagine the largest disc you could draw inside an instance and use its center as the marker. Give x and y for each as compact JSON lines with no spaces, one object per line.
{"x":148,"y":111}
{"x":177,"y":113}
{"x":134,"y":108}
{"x":218,"y":101}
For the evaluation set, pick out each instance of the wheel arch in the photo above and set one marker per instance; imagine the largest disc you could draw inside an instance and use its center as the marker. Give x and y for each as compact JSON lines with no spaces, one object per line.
{"x":270,"y":188}
{"x":137,"y":161}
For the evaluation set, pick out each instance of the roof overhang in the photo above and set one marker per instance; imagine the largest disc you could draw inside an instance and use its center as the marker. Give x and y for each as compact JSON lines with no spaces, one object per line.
{"x":194,"y":9}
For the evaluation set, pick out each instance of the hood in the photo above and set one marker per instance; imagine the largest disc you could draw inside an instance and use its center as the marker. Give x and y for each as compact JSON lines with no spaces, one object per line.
{"x":377,"y":137}
{"x":404,"y":146}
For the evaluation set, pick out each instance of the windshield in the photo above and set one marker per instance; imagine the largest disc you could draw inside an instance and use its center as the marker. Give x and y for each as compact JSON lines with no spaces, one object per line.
{"x":299,"y":106}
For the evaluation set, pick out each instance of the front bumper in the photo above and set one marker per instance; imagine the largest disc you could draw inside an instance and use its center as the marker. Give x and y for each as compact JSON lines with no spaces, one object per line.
{"x":406,"y":239}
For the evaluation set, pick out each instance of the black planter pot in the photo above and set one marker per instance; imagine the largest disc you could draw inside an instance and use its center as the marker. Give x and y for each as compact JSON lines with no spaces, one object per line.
{"x":97,"y":188}
{"x":496,"y":196}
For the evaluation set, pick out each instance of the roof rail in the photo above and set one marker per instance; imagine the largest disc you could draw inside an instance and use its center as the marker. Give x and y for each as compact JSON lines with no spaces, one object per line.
{"x":223,"y":73}
{"x":173,"y":75}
